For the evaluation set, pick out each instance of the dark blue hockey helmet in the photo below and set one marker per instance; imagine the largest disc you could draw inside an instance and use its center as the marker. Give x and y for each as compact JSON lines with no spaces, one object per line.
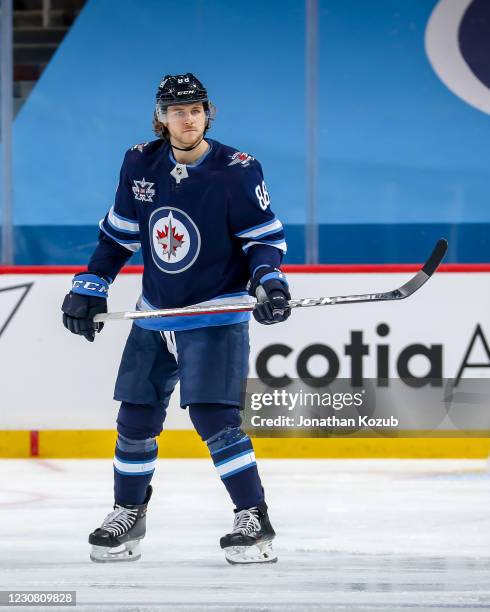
{"x":179,"y":89}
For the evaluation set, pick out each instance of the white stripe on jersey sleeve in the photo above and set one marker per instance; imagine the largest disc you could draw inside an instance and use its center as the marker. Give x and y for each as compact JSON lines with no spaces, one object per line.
{"x":267,"y":228}
{"x":121,"y":223}
{"x":127,"y":244}
{"x":278,"y":244}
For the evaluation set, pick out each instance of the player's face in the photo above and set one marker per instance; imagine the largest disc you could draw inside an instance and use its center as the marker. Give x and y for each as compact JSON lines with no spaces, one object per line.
{"x":186,"y":123}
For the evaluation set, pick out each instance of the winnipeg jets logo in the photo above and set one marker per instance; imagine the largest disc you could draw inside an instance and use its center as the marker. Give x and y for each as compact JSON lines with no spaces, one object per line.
{"x":174,"y":238}
{"x":143,"y":190}
{"x":241,"y":158}
{"x":169,"y":239}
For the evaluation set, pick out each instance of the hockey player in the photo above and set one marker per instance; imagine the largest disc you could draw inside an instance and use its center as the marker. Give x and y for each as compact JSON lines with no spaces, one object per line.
{"x":200,"y":212}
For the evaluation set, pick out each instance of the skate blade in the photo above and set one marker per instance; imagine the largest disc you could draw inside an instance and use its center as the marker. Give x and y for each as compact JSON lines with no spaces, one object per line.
{"x":258,"y":553}
{"x":126,"y":552}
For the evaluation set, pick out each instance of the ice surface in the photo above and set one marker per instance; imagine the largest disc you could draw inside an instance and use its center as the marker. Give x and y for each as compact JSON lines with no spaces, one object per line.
{"x":352,"y":535}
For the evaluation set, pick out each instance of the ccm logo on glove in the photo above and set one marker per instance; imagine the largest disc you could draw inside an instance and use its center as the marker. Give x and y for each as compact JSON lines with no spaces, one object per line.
{"x":87,"y":298}
{"x":90,"y":284}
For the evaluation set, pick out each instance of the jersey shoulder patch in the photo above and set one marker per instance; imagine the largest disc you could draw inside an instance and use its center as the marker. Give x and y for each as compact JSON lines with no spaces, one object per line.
{"x":143,"y":151}
{"x":139,"y":147}
{"x":242,"y":158}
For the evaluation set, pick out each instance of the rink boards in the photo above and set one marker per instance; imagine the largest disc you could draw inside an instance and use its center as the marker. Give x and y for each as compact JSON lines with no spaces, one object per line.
{"x":57,"y":388}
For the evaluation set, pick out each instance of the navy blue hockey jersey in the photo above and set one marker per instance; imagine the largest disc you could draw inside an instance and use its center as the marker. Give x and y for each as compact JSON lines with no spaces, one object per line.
{"x":203,"y":229}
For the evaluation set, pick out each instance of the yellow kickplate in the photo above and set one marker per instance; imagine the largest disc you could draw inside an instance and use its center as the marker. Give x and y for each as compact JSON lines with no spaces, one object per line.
{"x":15,"y":444}
{"x":93,"y":444}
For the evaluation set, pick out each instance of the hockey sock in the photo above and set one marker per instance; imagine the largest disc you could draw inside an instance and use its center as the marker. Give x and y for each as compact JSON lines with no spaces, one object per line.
{"x":231,"y":451}
{"x":134,"y":464}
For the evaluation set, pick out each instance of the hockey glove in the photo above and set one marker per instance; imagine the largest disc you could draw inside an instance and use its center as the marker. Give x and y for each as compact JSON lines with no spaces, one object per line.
{"x":270,"y":287}
{"x":88,"y":297}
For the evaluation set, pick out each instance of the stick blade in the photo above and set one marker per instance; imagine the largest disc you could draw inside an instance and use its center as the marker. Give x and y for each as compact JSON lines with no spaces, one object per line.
{"x":436,"y":257}
{"x":423,"y":275}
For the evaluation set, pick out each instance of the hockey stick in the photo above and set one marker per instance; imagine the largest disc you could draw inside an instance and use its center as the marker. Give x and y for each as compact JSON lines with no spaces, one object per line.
{"x":406,"y":290}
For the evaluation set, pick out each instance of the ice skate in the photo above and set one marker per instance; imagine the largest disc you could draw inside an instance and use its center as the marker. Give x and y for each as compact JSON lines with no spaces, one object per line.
{"x":250,"y":541}
{"x":118,"y":538}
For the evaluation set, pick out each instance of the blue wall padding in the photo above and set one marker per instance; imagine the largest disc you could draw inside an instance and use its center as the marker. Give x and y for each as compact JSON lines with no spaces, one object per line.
{"x":344,"y":243}
{"x":402,"y":160}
